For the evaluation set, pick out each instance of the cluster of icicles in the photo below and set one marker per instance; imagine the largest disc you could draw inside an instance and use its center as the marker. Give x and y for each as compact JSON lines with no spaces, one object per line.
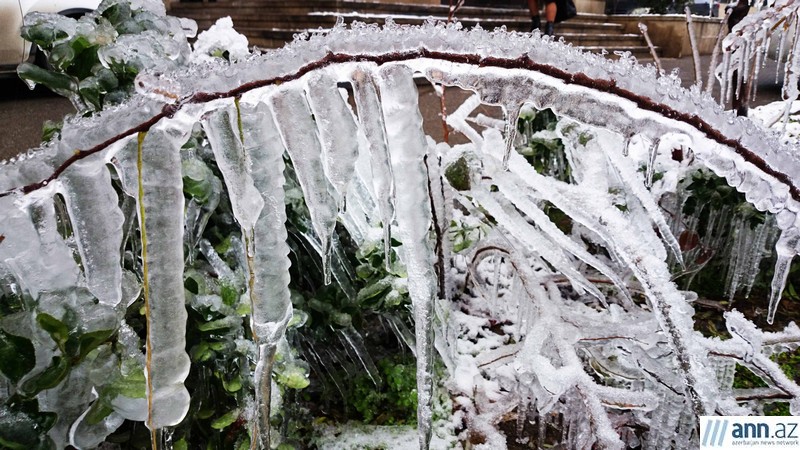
{"x":373,"y":161}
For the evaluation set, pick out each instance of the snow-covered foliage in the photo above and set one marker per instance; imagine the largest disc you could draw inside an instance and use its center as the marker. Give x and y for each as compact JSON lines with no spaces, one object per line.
{"x":531,"y":318}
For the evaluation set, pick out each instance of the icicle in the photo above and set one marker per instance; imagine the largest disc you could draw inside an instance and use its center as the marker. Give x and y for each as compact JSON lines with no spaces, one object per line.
{"x":371,"y":120}
{"x":761,"y":51}
{"x":160,"y":200}
{"x":651,"y":163}
{"x":712,"y":67}
{"x":765,"y":236}
{"x":34,"y":253}
{"x":337,"y":131}
{"x":629,"y":176}
{"x":786,"y":248}
{"x":92,"y":203}
{"x":724,"y":82}
{"x":305,"y":150}
{"x":407,"y":147}
{"x":698,"y":78}
{"x":512,"y":117}
{"x":355,"y":343}
{"x":271,"y":306}
{"x":781,"y":50}
{"x":223,"y":131}
{"x":791,"y":76}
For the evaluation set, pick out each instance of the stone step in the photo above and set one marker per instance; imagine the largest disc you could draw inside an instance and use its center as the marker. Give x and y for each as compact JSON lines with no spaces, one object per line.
{"x":638,"y":51}
{"x":269,"y":23}
{"x":326,"y":20}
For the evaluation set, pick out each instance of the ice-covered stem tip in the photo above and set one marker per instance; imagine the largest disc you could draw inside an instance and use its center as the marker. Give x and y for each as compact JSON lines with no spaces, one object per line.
{"x":160,"y":200}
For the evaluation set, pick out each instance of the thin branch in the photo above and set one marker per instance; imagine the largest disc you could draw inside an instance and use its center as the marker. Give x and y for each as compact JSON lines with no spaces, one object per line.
{"x":698,"y":78}
{"x":656,"y":59}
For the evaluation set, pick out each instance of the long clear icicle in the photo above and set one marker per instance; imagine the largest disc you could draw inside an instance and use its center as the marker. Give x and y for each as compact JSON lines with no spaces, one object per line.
{"x":297,"y":129}
{"x":371,"y":120}
{"x":786,"y":248}
{"x":337,"y":131}
{"x":160,"y":199}
{"x":222,"y":128}
{"x":92,"y":202}
{"x":407,"y":146}
{"x":271,"y":306}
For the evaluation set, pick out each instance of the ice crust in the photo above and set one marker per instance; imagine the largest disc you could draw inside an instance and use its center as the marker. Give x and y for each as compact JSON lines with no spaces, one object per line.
{"x":374,"y":166}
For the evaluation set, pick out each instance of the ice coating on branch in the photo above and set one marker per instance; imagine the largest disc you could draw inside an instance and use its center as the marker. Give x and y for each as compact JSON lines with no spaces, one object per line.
{"x":92,"y":203}
{"x":298,"y":131}
{"x":370,"y":118}
{"x":586,"y":206}
{"x":408,"y":147}
{"x":160,"y":190}
{"x":337,"y":130}
{"x":536,"y":242}
{"x":511,"y":191}
{"x":626,"y":170}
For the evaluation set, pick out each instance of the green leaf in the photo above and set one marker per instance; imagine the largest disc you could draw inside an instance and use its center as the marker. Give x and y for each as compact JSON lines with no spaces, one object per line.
{"x":98,"y":411}
{"x":42,"y":34}
{"x":220,"y":324}
{"x":222,"y":422}
{"x":48,"y":378}
{"x":24,"y":427}
{"x":293,"y":377}
{"x":131,"y":385}
{"x":55,"y":328}
{"x":341,"y":319}
{"x":233,"y":385}
{"x":371,"y":295}
{"x":17,"y":356}
{"x":92,"y":340}
{"x":50,"y":129}
{"x":457,"y":174}
{"x":229,"y":294}
{"x":181,"y":444}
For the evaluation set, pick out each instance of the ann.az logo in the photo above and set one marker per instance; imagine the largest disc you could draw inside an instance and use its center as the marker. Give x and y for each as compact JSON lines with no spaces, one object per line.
{"x":760,"y":430}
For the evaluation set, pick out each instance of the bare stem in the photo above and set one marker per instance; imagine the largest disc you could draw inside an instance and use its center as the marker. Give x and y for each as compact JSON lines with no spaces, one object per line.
{"x":715,"y":54}
{"x":698,"y":78}
{"x":656,"y":59}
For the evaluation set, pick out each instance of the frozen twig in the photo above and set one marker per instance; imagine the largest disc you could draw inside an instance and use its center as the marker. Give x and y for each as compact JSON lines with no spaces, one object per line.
{"x":656,"y":59}
{"x":715,"y":53}
{"x":698,"y":78}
